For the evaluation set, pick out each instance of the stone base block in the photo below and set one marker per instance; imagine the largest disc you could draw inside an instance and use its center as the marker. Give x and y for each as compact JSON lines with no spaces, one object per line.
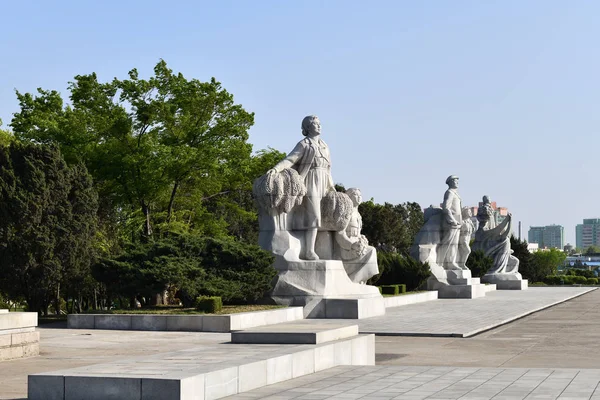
{"x":461,"y":291}
{"x":506,"y":281}
{"x":301,"y":332}
{"x":405,"y":299}
{"x":490,"y":287}
{"x":522,"y":284}
{"x":188,"y":375}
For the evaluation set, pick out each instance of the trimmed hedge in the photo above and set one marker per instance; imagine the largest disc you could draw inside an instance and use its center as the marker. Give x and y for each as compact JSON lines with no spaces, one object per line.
{"x":569,"y":280}
{"x":209,"y":304}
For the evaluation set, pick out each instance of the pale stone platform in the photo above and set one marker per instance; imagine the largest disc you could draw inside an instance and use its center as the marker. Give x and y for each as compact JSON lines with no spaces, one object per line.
{"x":192,"y":323}
{"x":440,"y":383}
{"x":301,"y":332}
{"x":411,"y":298}
{"x":200,"y":373}
{"x":464,"y":318}
{"x":18,"y":337}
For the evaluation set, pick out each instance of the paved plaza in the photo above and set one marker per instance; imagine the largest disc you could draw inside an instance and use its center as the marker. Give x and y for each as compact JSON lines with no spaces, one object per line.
{"x":464,"y":318}
{"x":550,"y":353}
{"x":439,"y":383}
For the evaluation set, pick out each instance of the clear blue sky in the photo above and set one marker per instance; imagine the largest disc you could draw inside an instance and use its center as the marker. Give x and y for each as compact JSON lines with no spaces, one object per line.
{"x":504,"y":94}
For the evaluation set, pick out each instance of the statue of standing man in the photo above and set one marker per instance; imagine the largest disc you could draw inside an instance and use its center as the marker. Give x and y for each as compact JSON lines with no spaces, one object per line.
{"x":451,"y":223}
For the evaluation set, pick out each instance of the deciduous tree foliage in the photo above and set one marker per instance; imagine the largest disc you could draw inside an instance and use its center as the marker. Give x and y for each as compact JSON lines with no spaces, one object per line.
{"x":47,"y":224}
{"x":391,"y":227}
{"x":153,"y":145}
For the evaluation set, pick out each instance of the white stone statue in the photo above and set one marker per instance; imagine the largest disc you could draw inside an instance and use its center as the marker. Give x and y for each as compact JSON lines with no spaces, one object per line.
{"x":487,"y":212}
{"x":495,"y":243}
{"x":314,"y":233}
{"x":466,"y":230}
{"x":360,"y":259}
{"x":443,"y":243}
{"x":310,"y":158}
{"x":451,"y":224}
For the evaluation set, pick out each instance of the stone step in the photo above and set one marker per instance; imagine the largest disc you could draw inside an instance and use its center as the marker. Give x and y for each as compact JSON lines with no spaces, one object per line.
{"x":194,"y":323}
{"x":475,"y":281}
{"x":405,"y":299}
{"x":204,"y":372}
{"x":299,"y":332}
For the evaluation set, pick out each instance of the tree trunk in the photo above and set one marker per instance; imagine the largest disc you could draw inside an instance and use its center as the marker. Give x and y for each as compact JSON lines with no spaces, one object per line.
{"x":147,"y":226}
{"x":172,"y":201}
{"x":57,"y":300}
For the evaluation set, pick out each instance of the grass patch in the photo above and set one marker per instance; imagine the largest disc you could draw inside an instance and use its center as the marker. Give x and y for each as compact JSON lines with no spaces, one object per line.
{"x":174,"y":310}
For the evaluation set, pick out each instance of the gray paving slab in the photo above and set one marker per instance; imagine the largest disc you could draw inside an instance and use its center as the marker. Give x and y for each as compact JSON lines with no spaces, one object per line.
{"x":467,"y":317}
{"x":435,"y":383}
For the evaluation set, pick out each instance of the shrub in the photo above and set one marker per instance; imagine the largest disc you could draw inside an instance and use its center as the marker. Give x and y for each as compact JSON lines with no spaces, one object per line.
{"x":554,"y":279}
{"x":592,"y":281}
{"x":209,"y":304}
{"x":479,"y":263}
{"x":390,"y":289}
{"x":235,"y":271}
{"x":402,"y":287}
{"x":578,"y":280}
{"x":398,"y":268}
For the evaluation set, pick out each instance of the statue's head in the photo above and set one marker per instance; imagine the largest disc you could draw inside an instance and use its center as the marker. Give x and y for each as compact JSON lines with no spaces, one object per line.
{"x":486,"y":199}
{"x":311,"y":126}
{"x":466,"y":213}
{"x":452,"y":181}
{"x":355,"y":195}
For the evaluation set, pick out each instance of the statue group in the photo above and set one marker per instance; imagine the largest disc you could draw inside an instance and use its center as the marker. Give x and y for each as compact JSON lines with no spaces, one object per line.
{"x":315,"y":232}
{"x":444,"y":243}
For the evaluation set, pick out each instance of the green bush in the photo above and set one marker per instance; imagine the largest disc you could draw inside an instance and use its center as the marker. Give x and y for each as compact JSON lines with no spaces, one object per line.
{"x":578,"y":280}
{"x":592,"y":281}
{"x":395,"y":268}
{"x":390,"y":289}
{"x":235,"y":271}
{"x":402,"y":288}
{"x":209,"y":304}
{"x":479,"y":263}
{"x":580,"y":272}
{"x":554,"y":279}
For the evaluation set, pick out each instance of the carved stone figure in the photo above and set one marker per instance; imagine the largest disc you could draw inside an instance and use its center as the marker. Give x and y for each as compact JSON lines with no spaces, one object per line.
{"x":439,"y":244}
{"x":466,"y":230}
{"x":451,"y":224}
{"x":310,"y":158}
{"x":360,"y":259}
{"x":314,"y":233}
{"x":495,"y":243}
{"x":487,"y":212}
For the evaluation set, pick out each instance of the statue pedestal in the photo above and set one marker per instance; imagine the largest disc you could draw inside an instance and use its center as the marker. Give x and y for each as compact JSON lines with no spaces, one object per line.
{"x":324,"y":289}
{"x":460,"y":285}
{"x":506,"y":281}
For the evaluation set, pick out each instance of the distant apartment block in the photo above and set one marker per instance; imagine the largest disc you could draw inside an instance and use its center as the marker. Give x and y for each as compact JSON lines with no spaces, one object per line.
{"x":588,"y":233}
{"x":550,"y":236}
{"x":500,"y":213}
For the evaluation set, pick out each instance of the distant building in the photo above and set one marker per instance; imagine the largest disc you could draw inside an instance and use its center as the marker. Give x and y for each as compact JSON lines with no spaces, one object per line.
{"x":550,"y":236}
{"x":588,"y":233}
{"x":532,"y":247}
{"x":500,"y":213}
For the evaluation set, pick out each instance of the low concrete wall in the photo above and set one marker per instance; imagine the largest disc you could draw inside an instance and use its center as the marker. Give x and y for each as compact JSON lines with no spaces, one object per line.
{"x":405,"y":299}
{"x":18,"y":337}
{"x":194,"y":323}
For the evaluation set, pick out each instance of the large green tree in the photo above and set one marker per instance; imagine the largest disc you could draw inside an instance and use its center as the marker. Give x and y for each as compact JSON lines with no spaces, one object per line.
{"x":47,"y":224}
{"x":158,"y":148}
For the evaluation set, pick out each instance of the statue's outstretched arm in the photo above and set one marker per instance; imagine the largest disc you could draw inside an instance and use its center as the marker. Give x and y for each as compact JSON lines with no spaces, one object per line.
{"x":292,"y":158}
